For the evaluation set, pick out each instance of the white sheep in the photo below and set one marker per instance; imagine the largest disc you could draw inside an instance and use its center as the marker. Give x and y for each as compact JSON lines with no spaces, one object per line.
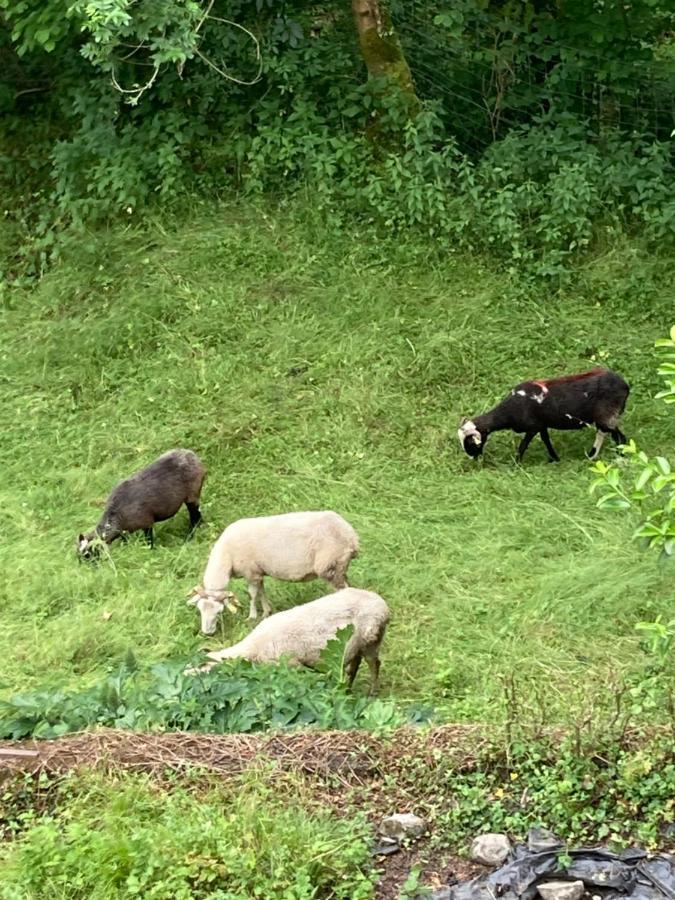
{"x":295,"y":546}
{"x":301,"y":633}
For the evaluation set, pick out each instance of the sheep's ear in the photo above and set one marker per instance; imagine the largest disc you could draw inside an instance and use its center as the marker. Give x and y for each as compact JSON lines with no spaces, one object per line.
{"x":80,"y":538}
{"x":193,"y":598}
{"x":462,"y":421}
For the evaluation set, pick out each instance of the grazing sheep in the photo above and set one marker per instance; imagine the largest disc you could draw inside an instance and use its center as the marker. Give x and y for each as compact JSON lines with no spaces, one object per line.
{"x":302,"y":633}
{"x":295,"y":546}
{"x":151,"y":495}
{"x":573,"y":401}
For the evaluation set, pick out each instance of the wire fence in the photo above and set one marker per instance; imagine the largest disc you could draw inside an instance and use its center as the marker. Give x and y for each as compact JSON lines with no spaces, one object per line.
{"x":491,"y":81}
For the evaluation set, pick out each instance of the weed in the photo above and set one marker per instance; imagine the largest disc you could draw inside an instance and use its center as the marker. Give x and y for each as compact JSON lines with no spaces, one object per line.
{"x":129,"y":837}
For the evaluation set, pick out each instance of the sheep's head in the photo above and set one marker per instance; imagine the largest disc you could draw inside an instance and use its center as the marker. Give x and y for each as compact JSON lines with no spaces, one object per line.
{"x":88,"y":545}
{"x":471,"y":438}
{"x":210,"y":605}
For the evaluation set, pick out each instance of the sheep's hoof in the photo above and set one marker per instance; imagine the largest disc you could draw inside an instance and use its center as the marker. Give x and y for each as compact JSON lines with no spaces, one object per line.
{"x":251,"y":618}
{"x":591,"y":454}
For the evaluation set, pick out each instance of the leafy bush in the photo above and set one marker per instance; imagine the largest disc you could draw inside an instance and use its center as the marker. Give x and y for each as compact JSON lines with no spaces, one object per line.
{"x":129,"y":838}
{"x":653,"y":480}
{"x":539,"y":130}
{"x":235,"y":696}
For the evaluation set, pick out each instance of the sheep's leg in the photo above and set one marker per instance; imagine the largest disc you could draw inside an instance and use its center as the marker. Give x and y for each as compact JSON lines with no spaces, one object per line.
{"x":618,"y":436}
{"x":149,"y":537}
{"x":267,"y":609}
{"x":525,"y":443}
{"x":351,"y":666}
{"x":594,"y":452}
{"x":256,"y":589}
{"x":553,"y":456}
{"x":374,"y":666}
{"x":195,"y":516}
{"x":351,"y":660}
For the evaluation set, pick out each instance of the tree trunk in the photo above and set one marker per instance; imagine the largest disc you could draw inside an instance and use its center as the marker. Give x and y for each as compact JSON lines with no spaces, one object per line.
{"x":380,"y":46}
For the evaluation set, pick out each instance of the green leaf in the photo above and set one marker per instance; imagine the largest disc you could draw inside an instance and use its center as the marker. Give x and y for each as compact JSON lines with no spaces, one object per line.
{"x":663,"y":464}
{"x":332,"y":655}
{"x":642,"y":479}
{"x":661,"y":481}
{"x":613,"y":502}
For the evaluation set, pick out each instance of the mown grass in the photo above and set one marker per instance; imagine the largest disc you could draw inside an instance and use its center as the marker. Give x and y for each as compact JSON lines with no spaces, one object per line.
{"x":314,"y":370}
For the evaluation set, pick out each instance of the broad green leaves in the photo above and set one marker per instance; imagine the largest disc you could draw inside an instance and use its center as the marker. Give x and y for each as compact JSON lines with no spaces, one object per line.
{"x":234,"y":697}
{"x":642,"y":482}
{"x":37,"y":25}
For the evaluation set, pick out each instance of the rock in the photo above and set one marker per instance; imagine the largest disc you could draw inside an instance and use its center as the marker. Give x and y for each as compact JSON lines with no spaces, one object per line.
{"x":403,"y":825}
{"x":541,"y":839}
{"x":561,"y":890}
{"x":491,"y":849}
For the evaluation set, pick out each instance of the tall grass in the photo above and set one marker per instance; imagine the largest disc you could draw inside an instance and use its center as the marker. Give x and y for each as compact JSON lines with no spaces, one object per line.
{"x":129,"y":837}
{"x":313,"y":370}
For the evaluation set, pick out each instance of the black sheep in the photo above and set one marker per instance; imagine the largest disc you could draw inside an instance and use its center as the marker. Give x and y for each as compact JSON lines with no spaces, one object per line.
{"x":151,"y":495}
{"x":594,"y":398}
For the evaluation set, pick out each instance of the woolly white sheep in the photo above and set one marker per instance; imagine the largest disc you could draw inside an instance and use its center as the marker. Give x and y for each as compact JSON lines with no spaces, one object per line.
{"x":301,"y":634}
{"x":295,"y":546}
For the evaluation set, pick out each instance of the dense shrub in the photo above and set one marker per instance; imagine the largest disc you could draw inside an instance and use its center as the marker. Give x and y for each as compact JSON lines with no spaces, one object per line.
{"x":541,"y":128}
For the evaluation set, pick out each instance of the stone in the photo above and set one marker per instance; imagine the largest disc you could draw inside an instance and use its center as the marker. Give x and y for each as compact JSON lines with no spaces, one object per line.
{"x":402,"y":826}
{"x":561,"y":890}
{"x":490,"y":849}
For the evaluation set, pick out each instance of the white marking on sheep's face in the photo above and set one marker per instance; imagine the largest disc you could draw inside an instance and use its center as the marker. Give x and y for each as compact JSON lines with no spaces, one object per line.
{"x":88,"y":546}
{"x":470,"y":438}
{"x":521,"y":393}
{"x":209,"y":610}
{"x":468,"y":430}
{"x":539,"y":397}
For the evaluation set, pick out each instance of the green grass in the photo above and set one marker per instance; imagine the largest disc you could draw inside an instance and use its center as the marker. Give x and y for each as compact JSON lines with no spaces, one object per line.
{"x":313,"y":370}
{"x":130,"y":837}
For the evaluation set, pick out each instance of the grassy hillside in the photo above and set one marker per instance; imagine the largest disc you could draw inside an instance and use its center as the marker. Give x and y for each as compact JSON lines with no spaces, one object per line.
{"x":324,"y":371}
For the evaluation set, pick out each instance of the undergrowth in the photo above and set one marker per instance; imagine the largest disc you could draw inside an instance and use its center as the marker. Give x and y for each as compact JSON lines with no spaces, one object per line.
{"x":129,"y":838}
{"x":235,"y":696}
{"x":270,"y":833}
{"x":603,"y":792}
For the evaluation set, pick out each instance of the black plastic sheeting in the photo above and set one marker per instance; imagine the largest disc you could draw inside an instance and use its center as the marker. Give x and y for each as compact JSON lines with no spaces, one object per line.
{"x":630,"y":875}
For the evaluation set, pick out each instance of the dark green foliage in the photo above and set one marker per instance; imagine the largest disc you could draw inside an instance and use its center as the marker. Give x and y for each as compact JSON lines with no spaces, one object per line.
{"x":235,"y":696}
{"x":544,"y":128}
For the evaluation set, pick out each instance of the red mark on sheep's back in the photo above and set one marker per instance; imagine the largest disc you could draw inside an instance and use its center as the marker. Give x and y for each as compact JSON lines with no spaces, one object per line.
{"x":549,"y":382}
